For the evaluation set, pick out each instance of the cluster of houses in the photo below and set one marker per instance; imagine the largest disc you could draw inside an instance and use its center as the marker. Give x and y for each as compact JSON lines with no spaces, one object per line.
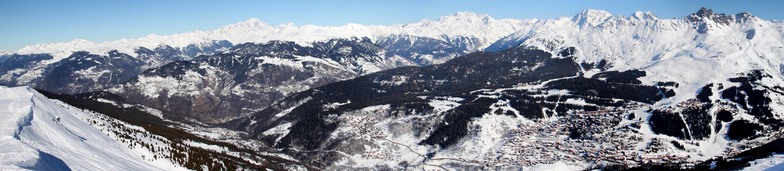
{"x":603,"y":139}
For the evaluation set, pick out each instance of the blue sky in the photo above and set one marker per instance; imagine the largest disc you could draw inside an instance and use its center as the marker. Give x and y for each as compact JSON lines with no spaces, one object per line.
{"x":44,"y":21}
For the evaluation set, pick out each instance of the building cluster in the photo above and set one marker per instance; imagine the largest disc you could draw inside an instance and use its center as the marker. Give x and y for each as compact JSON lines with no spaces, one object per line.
{"x":600,"y":136}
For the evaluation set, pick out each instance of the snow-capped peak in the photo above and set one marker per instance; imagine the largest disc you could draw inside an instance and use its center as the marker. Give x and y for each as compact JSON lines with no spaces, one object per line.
{"x":745,"y":16}
{"x":464,"y":24}
{"x":465,"y":16}
{"x":250,"y":24}
{"x":591,"y":17}
{"x":74,"y":45}
{"x":640,"y":15}
{"x":4,"y":52}
{"x":252,"y":21}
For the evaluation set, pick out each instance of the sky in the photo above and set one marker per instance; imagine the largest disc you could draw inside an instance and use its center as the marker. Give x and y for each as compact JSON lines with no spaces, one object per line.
{"x":26,"y":22}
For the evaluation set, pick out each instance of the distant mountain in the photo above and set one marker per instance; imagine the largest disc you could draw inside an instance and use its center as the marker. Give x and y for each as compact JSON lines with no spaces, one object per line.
{"x":83,"y":71}
{"x":249,"y":77}
{"x":425,"y":42}
{"x":426,"y":51}
{"x":4,"y":55}
{"x":462,"y":25}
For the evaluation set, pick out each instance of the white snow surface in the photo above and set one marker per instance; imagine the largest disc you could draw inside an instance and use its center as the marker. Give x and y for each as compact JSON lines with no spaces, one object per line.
{"x":772,"y":163}
{"x":39,"y":134}
{"x":558,"y":166}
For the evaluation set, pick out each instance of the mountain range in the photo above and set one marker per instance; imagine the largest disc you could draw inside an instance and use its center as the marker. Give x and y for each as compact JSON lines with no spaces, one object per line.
{"x":467,"y":92}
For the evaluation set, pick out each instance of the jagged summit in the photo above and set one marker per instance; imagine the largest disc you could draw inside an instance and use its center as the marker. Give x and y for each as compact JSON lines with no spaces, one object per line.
{"x":705,"y":14}
{"x":593,"y":17}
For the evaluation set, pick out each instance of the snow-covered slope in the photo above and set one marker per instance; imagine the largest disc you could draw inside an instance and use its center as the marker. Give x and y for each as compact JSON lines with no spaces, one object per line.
{"x":702,"y":48}
{"x":463,"y":24}
{"x":39,"y":134}
{"x":775,"y":162}
{"x":38,"y":131}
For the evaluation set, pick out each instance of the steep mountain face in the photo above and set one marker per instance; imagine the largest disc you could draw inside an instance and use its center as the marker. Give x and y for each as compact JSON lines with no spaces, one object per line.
{"x":83,"y":71}
{"x":249,"y":77}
